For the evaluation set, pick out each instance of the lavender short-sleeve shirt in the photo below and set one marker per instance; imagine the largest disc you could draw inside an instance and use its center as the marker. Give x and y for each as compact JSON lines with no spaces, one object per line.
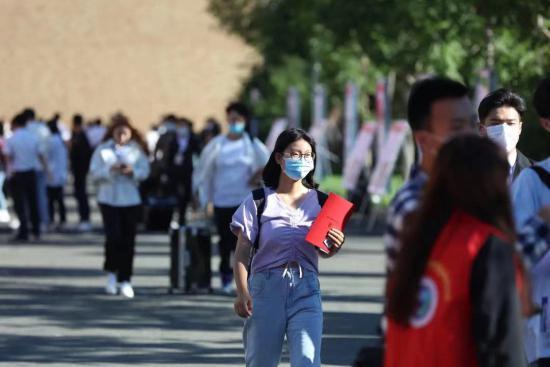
{"x":283,"y":231}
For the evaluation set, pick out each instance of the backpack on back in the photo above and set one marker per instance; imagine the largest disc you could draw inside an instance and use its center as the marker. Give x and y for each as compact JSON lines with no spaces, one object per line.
{"x":543,"y":174}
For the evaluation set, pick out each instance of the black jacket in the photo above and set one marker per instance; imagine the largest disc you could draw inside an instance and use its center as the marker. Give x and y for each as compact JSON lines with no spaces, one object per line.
{"x":171,"y":175}
{"x":521,"y":162}
{"x":80,"y":154}
{"x":496,"y":314}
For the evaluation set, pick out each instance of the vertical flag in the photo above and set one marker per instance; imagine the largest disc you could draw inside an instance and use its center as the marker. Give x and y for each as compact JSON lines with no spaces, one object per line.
{"x":380,"y":115}
{"x":356,"y":161}
{"x":318,"y":132}
{"x":293,"y":107}
{"x":386,"y":162}
{"x":482,"y":87}
{"x":319,"y":105}
{"x":350,"y":118}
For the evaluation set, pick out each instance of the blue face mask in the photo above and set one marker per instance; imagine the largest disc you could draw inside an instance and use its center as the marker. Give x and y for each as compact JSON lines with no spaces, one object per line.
{"x":237,"y":128}
{"x":297,"y":169}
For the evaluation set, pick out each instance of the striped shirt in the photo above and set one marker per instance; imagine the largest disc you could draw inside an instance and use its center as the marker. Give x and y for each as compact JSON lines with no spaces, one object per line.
{"x":534,"y":240}
{"x":404,"y":202}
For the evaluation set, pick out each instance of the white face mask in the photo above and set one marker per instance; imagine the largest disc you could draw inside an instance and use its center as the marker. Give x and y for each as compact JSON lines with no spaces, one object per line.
{"x":183,"y":132}
{"x":505,"y":135}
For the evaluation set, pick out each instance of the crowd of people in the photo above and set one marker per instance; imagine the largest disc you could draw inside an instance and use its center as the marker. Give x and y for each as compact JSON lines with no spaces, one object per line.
{"x":129,"y":172}
{"x":467,"y":236}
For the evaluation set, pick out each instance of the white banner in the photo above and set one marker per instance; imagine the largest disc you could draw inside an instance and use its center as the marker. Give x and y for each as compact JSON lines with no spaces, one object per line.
{"x":350,"y":118}
{"x":356,"y":160}
{"x":293,"y":107}
{"x":386,"y":162}
{"x":319,"y":105}
{"x":277,"y":128}
{"x":482,"y":87}
{"x":380,"y":115}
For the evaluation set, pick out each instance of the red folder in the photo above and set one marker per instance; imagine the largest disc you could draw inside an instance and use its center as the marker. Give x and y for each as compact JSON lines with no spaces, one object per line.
{"x":334,"y":214}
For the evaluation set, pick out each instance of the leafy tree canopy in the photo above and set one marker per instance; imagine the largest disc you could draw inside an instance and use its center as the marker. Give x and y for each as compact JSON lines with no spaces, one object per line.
{"x":362,"y":40}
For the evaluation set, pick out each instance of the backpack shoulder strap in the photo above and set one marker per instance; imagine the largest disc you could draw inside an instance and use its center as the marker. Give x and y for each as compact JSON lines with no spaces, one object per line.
{"x":321,"y":197}
{"x":543,"y":174}
{"x":258,"y":196}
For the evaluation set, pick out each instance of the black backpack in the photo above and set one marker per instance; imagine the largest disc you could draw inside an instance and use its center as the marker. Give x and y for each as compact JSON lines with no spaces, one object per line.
{"x":543,"y":175}
{"x":258,"y":196}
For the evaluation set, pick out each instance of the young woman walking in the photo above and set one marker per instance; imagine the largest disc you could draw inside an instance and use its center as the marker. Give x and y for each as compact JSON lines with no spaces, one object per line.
{"x":282,"y":296}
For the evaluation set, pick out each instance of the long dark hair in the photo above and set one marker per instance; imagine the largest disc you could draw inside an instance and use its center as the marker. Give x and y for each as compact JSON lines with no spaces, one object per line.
{"x":470,"y":174}
{"x":118,"y":120}
{"x":272,"y":170}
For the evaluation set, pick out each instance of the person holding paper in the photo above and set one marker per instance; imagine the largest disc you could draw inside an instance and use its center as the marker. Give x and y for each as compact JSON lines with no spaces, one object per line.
{"x":282,"y":295}
{"x":452,"y":299}
{"x":118,"y":165}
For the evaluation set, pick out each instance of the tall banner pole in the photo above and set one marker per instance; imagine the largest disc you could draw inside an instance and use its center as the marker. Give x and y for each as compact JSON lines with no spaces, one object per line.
{"x":318,"y":131}
{"x":319,"y":105}
{"x":380,"y":116}
{"x":293,"y":107}
{"x":254,"y":98}
{"x":350,"y":118}
{"x":483,"y":86}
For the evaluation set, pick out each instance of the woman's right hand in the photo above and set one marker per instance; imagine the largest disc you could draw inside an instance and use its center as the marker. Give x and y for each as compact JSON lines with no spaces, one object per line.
{"x":243,"y":305}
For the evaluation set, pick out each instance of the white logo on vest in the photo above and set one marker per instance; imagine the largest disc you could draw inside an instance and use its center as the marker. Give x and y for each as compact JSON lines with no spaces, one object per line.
{"x":428,"y":298}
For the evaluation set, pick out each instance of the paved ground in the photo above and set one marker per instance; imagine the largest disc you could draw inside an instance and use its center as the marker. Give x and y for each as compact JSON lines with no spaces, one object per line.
{"x":53,"y":310}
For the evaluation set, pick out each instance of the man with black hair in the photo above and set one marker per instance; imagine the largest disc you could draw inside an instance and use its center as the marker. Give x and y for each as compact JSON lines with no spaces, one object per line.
{"x":230,"y":166}
{"x":500,"y":119}
{"x":80,"y":156}
{"x":24,"y":156}
{"x":437,"y":108}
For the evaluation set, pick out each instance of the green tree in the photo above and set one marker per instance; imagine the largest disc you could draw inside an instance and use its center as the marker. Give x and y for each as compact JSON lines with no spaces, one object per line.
{"x":362,"y":40}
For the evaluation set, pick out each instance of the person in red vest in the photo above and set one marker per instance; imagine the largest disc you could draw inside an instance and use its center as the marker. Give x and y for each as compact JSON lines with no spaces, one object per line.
{"x":452,"y":300}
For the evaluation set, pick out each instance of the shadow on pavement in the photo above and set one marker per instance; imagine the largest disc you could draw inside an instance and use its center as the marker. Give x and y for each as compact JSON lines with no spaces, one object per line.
{"x":107,"y":350}
{"x":105,"y":322}
{"x":345,"y":334}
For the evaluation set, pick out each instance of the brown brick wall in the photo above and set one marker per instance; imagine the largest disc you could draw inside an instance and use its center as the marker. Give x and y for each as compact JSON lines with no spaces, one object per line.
{"x":144,"y":57}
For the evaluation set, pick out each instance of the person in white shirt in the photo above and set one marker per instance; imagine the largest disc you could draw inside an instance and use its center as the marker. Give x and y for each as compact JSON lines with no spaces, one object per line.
{"x":58,"y":164}
{"x":39,"y":128}
{"x":4,"y":213}
{"x":24,"y":156}
{"x":118,"y":165}
{"x":230,"y":166}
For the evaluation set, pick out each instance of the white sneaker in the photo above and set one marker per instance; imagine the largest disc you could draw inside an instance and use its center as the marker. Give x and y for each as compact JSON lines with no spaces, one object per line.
{"x":14,"y":223}
{"x":126,"y":290}
{"x":228,"y":289}
{"x":4,"y":216}
{"x":111,"y":287}
{"x":85,"y":227}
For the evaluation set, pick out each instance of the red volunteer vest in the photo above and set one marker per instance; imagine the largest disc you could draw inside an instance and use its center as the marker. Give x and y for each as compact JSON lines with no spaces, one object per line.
{"x":440,"y":332}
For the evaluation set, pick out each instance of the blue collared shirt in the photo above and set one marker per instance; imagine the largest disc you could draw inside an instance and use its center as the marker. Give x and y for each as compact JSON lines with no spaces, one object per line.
{"x":529,"y":195}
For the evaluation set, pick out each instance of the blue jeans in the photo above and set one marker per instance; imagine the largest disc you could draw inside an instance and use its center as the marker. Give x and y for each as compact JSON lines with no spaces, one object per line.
{"x":3,"y":202}
{"x":42,"y":198}
{"x":284,"y":303}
